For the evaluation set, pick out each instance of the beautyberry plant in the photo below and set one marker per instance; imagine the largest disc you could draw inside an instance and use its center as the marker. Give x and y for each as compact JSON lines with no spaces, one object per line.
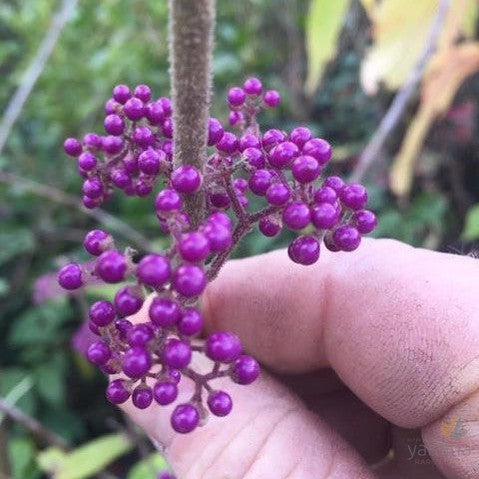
{"x":135,"y":157}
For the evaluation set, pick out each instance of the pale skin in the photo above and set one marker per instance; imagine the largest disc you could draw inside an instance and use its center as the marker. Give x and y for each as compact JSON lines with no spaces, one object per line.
{"x":399,"y":326}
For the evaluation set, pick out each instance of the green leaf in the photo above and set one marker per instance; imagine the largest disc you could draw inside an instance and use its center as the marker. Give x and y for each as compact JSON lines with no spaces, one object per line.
{"x":86,"y":460}
{"x":148,"y":468}
{"x":22,"y":455}
{"x":14,"y":242}
{"x":323,"y":25}
{"x":471,"y":228}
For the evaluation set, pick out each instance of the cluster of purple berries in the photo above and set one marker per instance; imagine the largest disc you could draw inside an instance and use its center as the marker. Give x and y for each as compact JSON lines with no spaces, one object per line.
{"x":136,"y":155}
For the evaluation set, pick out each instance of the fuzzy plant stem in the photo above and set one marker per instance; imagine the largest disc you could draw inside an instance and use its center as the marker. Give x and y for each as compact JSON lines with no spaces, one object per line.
{"x":191,"y":26}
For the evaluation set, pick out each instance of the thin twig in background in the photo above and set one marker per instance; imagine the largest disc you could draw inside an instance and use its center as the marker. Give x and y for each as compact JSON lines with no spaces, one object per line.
{"x":32,"y":425}
{"x":59,"y":196}
{"x":398,"y":106}
{"x":35,"y":69}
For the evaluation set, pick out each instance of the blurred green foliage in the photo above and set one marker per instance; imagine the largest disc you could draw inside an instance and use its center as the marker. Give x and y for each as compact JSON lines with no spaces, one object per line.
{"x":116,"y":41}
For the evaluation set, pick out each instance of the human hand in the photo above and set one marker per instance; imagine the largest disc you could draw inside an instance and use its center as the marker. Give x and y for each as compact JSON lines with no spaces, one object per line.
{"x":369,"y":344}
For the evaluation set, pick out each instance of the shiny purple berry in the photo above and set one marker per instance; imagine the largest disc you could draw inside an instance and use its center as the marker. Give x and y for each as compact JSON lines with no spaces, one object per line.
{"x":194,"y":247}
{"x":154,"y":113}
{"x":253,"y":86}
{"x":236,"y":96}
{"x":140,"y":334}
{"x":269,"y":226}
{"x":149,"y":161}
{"x":219,"y":236}
{"x":134,"y":109}
{"x":223,"y":346}
{"x":176,"y":354}
{"x":165,"y":392}
{"x":346,"y":238}
{"x":128,"y":300}
{"x":278,"y":194}
{"x":102,"y":313}
{"x":324,"y":215}
{"x":72,"y":147}
{"x":300,"y":135}
{"x":220,"y":403}
{"x":296,"y":215}
{"x":189,"y":280}
{"x":185,"y":418}
{"x":254,"y":157}
{"x":70,"y":276}
{"x":325,"y":194}
{"x":111,"y":266}
{"x":283,"y":154}
{"x":260,"y":181}
{"x":305,"y":169}
{"x":117,"y":391}
{"x":304,"y":250}
{"x":142,"y":396}
{"x":272,"y":98}
{"x":272,"y":138}
{"x":97,"y":241}
{"x":354,"y":196}
{"x":136,"y":362}
{"x":191,"y":322}
{"x":98,"y":353}
{"x":121,"y":93}
{"x":87,"y":161}
{"x":215,"y":131}
{"x":143,"y":136}
{"x":93,"y":187}
{"x":319,"y":149}
{"x":112,"y":144}
{"x":228,"y":143}
{"x":186,"y":179}
{"x":245,"y":370}
{"x":154,"y":270}
{"x":167,"y":200}
{"x":365,"y":221}
{"x":164,"y":312}
{"x":249,"y":141}
{"x":143,"y":93}
{"x":92,"y":141}
{"x":114,"y":125}
{"x":334,"y":182}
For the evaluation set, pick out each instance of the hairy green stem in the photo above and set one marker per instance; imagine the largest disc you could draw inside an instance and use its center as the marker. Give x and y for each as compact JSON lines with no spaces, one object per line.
{"x":191,"y":28}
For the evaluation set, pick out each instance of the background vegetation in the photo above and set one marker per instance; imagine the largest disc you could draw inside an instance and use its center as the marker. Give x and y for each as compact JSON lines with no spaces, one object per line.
{"x":338,"y":65}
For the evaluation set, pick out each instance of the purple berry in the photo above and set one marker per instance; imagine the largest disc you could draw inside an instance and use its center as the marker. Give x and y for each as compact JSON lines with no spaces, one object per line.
{"x":185,"y":418}
{"x":191,"y":322}
{"x":272,"y":138}
{"x":305,"y":169}
{"x":235,"y":118}
{"x":164,"y":312}
{"x":334,"y":182}
{"x":121,"y":178}
{"x":154,"y":270}
{"x":117,"y":391}
{"x":143,"y":93}
{"x":215,"y":131}
{"x":134,"y":109}
{"x":166,"y":105}
{"x":228,"y":143}
{"x":142,"y":396}
{"x":72,"y":147}
{"x":240,"y":184}
{"x":236,"y":96}
{"x":300,"y":135}
{"x":319,"y":149}
{"x":296,"y":215}
{"x":194,"y":247}
{"x":70,"y":276}
{"x":269,"y":226}
{"x":93,"y":187}
{"x":112,"y":144}
{"x":282,"y":154}
{"x":272,"y":98}
{"x":304,"y":250}
{"x":325,"y":194}
{"x":245,"y":370}
{"x":112,"y":106}
{"x":121,"y":93}
{"x":220,"y":403}
{"x":139,"y":335}
{"x":143,"y":136}
{"x":128,"y":300}
{"x":278,"y":194}
{"x":346,"y":238}
{"x":189,"y":280}
{"x":90,"y":203}
{"x":167,"y":128}
{"x":220,"y":200}
{"x":254,"y":157}
{"x":260,"y":181}
{"x":114,"y":125}
{"x":176,"y":354}
{"x":249,"y":141}
{"x":365,"y":221}
{"x":223,"y":346}
{"x":165,"y":392}
{"x":87,"y":161}
{"x":329,"y":242}
{"x":167,"y":200}
{"x":354,"y":196}
{"x":253,"y":86}
{"x":186,"y":179}
{"x":98,"y":353}
{"x":324,"y":216}
{"x":154,"y":113}
{"x":149,"y":161}
{"x":165,"y":475}
{"x":101,"y":313}
{"x":92,"y":141}
{"x":219,"y":236}
{"x":220,"y":218}
{"x":97,"y":241}
{"x":111,"y":266}
{"x":136,"y":362}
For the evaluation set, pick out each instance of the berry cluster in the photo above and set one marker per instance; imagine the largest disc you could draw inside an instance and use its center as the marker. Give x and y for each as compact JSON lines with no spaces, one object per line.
{"x":136,"y":156}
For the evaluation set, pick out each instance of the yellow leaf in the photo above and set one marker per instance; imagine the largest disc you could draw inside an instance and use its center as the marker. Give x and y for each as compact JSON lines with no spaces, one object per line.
{"x":323,"y":25}
{"x":446,"y":74}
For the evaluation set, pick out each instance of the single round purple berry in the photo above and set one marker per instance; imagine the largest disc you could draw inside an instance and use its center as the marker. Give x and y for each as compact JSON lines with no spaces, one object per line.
{"x":102,"y":313}
{"x":164,"y":312}
{"x":140,"y":334}
{"x":220,"y":218}
{"x":134,"y":109}
{"x":191,"y":322}
{"x":142,"y":396}
{"x":254,"y":157}
{"x":260,"y":181}
{"x":93,"y":187}
{"x":114,"y":125}
{"x":143,"y":136}
{"x":305,"y":169}
{"x":215,"y":131}
{"x":128,"y":300}
{"x":143,"y":93}
{"x":235,"y":118}
{"x":154,"y":113}
{"x":329,"y":242}
{"x":165,"y":392}
{"x":272,"y":138}
{"x":269,"y":226}
{"x":220,"y":403}
{"x":346,"y":238}
{"x":186,"y":179}
{"x":228,"y":143}
{"x":167,"y":200}
{"x":334,"y":182}
{"x":97,"y":241}
{"x":136,"y":362}
{"x":166,"y":105}
{"x":325,"y":194}
{"x":194,"y":247}
{"x":149,"y":161}
{"x":245,"y":370}
{"x":87,"y":161}
{"x":174,"y":375}
{"x":143,"y":188}
{"x":92,"y":141}
{"x":324,"y":216}
{"x":319,"y":149}
{"x":240,"y":184}
{"x":120,"y":178}
{"x":123,"y":326}
{"x":176,"y":354}
{"x":253,"y":86}
{"x":121,"y":93}
{"x":189,"y":280}
{"x":249,"y":141}
{"x":296,"y":215}
{"x":111,"y":266}
{"x":283,"y":154}
{"x":185,"y":418}
{"x":219,"y":236}
{"x":90,"y":203}
{"x":112,"y":106}
{"x":223,"y":346}
{"x":300,"y":135}
{"x":278,"y":194}
{"x":354,"y":196}
{"x":72,"y":147}
{"x":167,"y":128}
{"x":154,"y":270}
{"x":70,"y":276}
{"x":271,"y":98}
{"x":304,"y":250}
{"x":112,"y":144}
{"x":220,"y":199}
{"x":236,"y":96}
{"x":117,"y":391}
{"x":98,"y":353}
{"x":365,"y":221}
